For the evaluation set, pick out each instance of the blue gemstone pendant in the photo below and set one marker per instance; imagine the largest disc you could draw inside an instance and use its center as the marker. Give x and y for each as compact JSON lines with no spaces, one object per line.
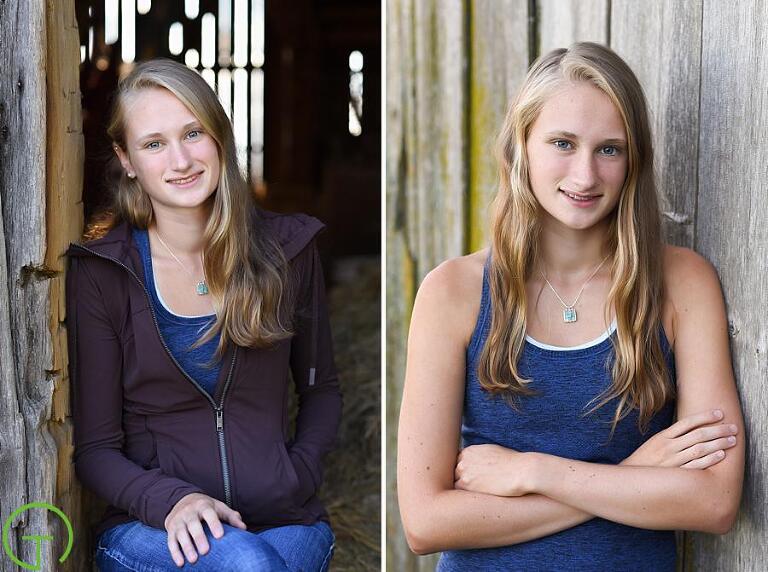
{"x":569,"y":315}
{"x":202,"y":288}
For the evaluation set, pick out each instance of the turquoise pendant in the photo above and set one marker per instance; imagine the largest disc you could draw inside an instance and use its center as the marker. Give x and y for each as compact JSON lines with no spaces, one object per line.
{"x":202,"y":288}
{"x":569,"y":315}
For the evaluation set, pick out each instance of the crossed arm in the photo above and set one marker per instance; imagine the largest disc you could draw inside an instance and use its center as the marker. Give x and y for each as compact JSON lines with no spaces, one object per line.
{"x":498,"y":496}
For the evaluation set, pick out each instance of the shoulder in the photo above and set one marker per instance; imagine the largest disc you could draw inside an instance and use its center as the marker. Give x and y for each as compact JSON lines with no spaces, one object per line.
{"x":690,"y":282}
{"x":293,"y":231}
{"x":688,"y":275}
{"x":451,"y":293}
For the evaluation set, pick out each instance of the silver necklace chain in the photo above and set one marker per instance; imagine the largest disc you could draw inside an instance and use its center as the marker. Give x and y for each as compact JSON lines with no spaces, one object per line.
{"x":202,"y":287}
{"x":569,"y":312}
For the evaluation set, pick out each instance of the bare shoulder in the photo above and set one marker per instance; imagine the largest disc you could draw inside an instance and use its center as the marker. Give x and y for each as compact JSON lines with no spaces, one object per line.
{"x":688,"y":276}
{"x":453,"y":290}
{"x":690,"y":282}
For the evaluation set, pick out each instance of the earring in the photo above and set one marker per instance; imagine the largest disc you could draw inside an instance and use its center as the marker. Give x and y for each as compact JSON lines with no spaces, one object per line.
{"x":131,"y":175}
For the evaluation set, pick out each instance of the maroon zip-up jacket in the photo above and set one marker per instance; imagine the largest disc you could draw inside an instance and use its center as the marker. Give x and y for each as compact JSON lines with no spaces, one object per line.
{"x":146,"y":434}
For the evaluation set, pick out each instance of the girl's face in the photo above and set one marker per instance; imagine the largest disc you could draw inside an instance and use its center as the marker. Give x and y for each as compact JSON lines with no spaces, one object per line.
{"x":174,"y":159}
{"x":577,"y":154}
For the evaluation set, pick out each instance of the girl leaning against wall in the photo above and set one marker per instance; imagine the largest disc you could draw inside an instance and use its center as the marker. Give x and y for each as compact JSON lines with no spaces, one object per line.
{"x":572,"y":344}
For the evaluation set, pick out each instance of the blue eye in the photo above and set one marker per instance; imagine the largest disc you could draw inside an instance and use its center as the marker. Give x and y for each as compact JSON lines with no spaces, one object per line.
{"x":566,"y":145}
{"x":195,"y":132}
{"x":150,"y":145}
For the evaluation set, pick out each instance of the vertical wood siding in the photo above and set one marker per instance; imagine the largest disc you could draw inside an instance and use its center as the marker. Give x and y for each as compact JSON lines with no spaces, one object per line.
{"x":41,"y":154}
{"x":701,"y":64}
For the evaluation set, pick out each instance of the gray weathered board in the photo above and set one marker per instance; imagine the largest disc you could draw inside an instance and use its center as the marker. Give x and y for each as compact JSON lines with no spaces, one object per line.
{"x":702,"y":67}
{"x":41,"y":155}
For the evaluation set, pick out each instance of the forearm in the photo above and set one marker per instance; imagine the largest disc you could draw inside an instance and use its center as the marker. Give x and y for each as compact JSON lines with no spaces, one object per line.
{"x":456,"y":519}
{"x":660,"y":498}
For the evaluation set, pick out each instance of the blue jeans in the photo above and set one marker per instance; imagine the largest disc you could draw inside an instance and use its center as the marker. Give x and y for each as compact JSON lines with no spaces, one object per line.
{"x":137,"y":547}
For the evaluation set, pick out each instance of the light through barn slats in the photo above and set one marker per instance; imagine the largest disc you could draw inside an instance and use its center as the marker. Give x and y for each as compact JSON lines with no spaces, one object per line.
{"x":143,"y":6}
{"x":208,"y":47}
{"x":257,"y":33}
{"x":90,"y":43}
{"x":111,"y":31}
{"x":191,"y":8}
{"x":240,"y":56}
{"x":176,"y":38}
{"x":225,"y":91}
{"x":210,"y":78}
{"x":257,"y":125}
{"x":192,"y":58}
{"x":355,"y":93}
{"x":225,"y":32}
{"x":128,"y":35}
{"x":240,"y":117}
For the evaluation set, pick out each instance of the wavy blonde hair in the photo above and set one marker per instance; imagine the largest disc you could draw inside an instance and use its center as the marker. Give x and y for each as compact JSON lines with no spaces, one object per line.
{"x":245,"y":269}
{"x":640,"y":376}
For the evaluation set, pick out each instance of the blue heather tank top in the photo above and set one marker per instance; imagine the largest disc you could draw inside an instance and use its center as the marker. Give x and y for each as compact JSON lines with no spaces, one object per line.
{"x":551,"y":422}
{"x":179,"y":332}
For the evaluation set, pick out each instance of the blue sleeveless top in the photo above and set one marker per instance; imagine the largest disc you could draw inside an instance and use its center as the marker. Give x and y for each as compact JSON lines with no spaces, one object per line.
{"x":180,"y":332}
{"x":551,"y":422}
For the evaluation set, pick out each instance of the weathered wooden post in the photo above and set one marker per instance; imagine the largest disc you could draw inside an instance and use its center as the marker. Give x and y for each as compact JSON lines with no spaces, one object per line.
{"x":41,"y":153}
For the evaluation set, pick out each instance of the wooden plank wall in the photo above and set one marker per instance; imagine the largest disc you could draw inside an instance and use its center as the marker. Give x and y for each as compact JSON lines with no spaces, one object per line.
{"x":41,"y":153}
{"x":701,"y":65}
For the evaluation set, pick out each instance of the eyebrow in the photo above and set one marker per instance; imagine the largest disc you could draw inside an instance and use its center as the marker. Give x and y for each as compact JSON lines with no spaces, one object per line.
{"x":150,"y":135}
{"x":570,"y":135}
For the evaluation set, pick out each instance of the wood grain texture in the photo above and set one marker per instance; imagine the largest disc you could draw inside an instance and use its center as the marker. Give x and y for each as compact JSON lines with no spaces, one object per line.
{"x":499,"y":62}
{"x":28,"y":464}
{"x":400,"y":135}
{"x":563,"y":22}
{"x":64,"y":224}
{"x":435,"y":216}
{"x":732,"y":233}
{"x":661,"y":42}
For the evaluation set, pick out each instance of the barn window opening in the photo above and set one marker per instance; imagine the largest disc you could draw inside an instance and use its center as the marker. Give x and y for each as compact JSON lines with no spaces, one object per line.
{"x":143,"y":6}
{"x":128,"y":34}
{"x":355,"y":124}
{"x":176,"y":38}
{"x":111,"y":31}
{"x":191,"y":8}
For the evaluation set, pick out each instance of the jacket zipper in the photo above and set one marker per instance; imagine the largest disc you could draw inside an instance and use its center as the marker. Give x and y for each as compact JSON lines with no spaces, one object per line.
{"x":218,"y":409}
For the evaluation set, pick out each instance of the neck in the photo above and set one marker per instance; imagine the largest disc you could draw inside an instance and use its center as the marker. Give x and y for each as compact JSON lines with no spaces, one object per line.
{"x":182,"y":232}
{"x":569,"y":256}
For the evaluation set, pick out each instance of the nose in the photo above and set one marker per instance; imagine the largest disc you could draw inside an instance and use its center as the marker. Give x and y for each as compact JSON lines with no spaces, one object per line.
{"x":584,"y":171}
{"x":180,"y":159}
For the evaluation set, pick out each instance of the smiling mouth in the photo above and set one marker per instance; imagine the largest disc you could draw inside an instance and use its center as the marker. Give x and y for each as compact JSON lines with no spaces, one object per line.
{"x":579,"y":197}
{"x":185,"y":180}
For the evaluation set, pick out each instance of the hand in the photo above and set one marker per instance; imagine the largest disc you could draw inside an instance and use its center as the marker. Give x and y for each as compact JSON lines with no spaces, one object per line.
{"x":694,"y":442}
{"x":493,"y":470}
{"x":184,"y":521}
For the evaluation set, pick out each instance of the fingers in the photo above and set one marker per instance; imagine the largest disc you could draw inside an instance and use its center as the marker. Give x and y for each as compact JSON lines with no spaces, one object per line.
{"x":707,"y":434}
{"x":689,"y":423}
{"x":231,"y":516}
{"x":212,"y":518}
{"x":706,"y":461}
{"x":181,"y":537}
{"x":701,"y":450}
{"x":173,"y":548}
{"x":195,"y":529}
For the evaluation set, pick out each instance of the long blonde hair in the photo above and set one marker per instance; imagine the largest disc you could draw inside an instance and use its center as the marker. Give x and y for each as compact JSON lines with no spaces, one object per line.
{"x":245,"y":269}
{"x":640,"y":376}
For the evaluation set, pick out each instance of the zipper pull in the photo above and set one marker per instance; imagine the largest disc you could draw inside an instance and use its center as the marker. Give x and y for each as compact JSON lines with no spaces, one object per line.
{"x":219,"y":420}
